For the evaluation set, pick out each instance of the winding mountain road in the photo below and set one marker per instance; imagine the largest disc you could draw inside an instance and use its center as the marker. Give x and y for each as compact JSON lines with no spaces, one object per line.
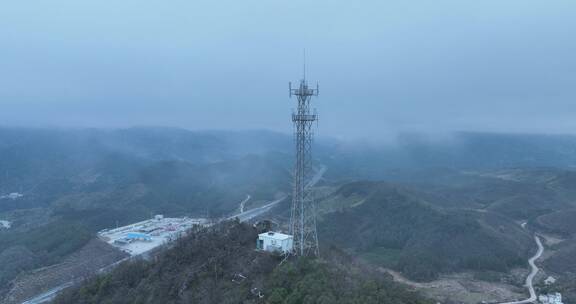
{"x":316,"y":178}
{"x":243,"y":203}
{"x":242,"y":216}
{"x":533,"y":272}
{"x":252,"y":213}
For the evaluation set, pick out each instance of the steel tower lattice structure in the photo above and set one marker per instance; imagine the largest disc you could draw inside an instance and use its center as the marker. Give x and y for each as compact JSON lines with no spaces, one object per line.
{"x":303,"y":211}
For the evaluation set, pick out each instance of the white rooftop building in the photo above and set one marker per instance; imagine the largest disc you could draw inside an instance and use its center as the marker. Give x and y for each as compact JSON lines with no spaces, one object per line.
{"x":5,"y":224}
{"x":553,"y":298}
{"x":141,"y":237}
{"x":275,"y":242}
{"x":550,"y":281}
{"x":12,"y":196}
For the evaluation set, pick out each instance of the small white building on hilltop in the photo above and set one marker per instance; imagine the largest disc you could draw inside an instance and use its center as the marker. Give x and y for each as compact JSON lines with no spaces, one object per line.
{"x":553,"y":298}
{"x":275,"y":242}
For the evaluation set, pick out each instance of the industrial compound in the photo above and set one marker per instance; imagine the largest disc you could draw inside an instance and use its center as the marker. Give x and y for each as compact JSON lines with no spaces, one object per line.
{"x":144,"y":236}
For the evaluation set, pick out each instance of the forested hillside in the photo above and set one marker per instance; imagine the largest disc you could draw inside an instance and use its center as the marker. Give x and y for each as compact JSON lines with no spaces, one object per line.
{"x":220,"y":265}
{"x":397,"y":228}
{"x":76,"y":182}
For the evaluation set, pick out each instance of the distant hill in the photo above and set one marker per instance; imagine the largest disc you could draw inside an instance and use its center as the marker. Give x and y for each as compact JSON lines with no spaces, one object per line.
{"x":519,"y":193}
{"x":562,"y":265}
{"x":563,"y":261}
{"x":559,"y":222}
{"x":220,"y":265}
{"x":457,"y":151}
{"x":402,"y":229}
{"x":140,"y":170}
{"x":76,"y":182}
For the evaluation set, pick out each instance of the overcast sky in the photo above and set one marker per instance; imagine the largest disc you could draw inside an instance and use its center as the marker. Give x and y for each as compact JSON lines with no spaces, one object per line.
{"x":383,"y":66}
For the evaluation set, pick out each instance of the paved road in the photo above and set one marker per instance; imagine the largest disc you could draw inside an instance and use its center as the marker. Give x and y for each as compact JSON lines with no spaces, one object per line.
{"x":242,"y":216}
{"x":49,"y":295}
{"x":252,"y":213}
{"x":52,"y":293}
{"x":316,"y":178}
{"x":532,"y":274}
{"x":244,"y":202}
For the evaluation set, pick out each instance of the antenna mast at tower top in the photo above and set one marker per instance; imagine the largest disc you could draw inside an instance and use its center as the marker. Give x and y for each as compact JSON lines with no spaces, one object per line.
{"x":303,"y":211}
{"x":304,"y":66}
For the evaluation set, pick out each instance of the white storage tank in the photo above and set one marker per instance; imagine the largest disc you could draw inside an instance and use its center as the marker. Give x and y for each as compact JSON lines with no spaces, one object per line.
{"x":275,"y":242}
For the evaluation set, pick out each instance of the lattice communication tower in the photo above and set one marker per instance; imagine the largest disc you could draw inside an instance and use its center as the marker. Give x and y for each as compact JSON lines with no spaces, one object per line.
{"x":303,"y":211}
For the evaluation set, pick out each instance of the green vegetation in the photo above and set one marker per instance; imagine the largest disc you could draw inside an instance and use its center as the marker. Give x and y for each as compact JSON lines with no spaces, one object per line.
{"x":559,"y":222}
{"x":204,"y":267}
{"x":396,"y":227}
{"x":41,"y":246}
{"x":316,"y":281}
{"x":563,"y":260}
{"x":386,"y":257}
{"x":458,"y":209}
{"x":87,"y":180}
